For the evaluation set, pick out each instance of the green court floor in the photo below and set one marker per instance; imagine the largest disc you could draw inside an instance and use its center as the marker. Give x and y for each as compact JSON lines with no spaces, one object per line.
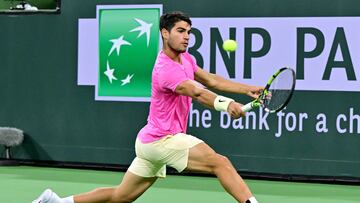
{"x":23,"y":184}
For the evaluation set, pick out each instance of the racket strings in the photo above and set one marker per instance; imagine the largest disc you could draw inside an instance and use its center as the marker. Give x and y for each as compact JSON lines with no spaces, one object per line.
{"x":279,"y":91}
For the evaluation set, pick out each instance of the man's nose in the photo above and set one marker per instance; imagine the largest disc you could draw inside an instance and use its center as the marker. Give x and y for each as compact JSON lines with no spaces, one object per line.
{"x":186,"y":36}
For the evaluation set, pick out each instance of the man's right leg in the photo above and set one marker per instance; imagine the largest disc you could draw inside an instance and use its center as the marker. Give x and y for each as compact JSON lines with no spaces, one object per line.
{"x":131,"y":187}
{"x":203,"y":158}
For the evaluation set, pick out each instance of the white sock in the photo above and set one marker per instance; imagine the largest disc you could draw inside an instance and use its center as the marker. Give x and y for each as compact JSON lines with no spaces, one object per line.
{"x":251,"y":200}
{"x":48,"y":196}
{"x":69,"y":199}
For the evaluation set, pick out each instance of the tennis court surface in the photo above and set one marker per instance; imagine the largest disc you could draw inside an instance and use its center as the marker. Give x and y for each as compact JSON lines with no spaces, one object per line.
{"x":23,"y":184}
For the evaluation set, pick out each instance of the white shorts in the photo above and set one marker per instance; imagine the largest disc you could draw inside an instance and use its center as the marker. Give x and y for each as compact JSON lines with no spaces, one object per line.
{"x":152,"y":158}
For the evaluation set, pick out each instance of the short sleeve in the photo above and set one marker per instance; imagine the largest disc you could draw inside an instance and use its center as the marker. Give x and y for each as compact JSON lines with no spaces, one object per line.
{"x":171,"y":76}
{"x":192,"y":60}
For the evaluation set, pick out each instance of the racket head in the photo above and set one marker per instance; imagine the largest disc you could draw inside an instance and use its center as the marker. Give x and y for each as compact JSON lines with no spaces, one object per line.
{"x":278,"y":90}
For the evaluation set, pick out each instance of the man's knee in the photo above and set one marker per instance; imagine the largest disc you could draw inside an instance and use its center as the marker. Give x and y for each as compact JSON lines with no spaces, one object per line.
{"x":217,"y":161}
{"x":122,"y":199}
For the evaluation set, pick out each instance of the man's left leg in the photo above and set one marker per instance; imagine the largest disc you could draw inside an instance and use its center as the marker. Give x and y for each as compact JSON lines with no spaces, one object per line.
{"x":131,"y":187}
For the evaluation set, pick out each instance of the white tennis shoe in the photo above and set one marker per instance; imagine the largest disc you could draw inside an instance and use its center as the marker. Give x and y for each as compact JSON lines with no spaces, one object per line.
{"x":48,"y":196}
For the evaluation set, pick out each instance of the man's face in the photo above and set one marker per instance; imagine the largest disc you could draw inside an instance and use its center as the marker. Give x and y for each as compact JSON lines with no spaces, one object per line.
{"x":178,"y":37}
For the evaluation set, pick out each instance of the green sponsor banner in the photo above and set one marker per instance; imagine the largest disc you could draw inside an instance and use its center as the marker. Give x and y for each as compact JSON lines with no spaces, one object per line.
{"x":128,"y":47}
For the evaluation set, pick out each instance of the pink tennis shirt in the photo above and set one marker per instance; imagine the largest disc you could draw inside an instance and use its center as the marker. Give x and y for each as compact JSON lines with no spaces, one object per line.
{"x":168,"y":110}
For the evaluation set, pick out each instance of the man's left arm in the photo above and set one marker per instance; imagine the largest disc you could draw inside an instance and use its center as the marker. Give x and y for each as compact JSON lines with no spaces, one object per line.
{"x":219,"y":83}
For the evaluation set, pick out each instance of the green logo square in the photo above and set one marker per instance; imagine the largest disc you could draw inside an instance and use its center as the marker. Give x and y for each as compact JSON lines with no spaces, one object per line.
{"x":128,"y":47}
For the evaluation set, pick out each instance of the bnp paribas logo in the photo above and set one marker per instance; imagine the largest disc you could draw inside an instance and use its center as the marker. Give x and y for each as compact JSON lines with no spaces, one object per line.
{"x":117,"y":51}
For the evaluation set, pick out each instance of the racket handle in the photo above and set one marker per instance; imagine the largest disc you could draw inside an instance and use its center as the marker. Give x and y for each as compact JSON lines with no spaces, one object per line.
{"x":247,"y":107}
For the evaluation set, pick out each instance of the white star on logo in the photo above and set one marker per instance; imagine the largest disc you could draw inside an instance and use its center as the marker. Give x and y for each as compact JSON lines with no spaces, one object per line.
{"x":110,"y":73}
{"x":143,"y":28}
{"x":126,"y":80}
{"x":117,"y":43}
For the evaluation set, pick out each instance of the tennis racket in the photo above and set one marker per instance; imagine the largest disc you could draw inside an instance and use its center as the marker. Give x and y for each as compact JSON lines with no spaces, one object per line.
{"x":277,"y":92}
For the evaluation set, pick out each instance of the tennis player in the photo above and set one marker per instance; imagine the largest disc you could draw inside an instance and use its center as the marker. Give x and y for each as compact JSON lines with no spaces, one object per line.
{"x":163,"y":141}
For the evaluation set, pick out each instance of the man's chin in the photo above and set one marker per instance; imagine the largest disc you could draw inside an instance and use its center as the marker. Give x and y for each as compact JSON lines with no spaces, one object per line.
{"x":182,"y":50}
{"x":179,"y":50}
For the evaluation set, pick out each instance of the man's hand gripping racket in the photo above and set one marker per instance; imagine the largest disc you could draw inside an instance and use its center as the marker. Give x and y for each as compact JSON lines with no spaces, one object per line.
{"x":277,"y":92}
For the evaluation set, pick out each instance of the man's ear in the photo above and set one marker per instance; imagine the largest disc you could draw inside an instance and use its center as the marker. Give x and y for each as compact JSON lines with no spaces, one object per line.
{"x":165,"y":33}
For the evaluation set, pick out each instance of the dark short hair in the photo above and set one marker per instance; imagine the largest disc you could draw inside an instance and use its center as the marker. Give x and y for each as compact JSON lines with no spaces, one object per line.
{"x":168,"y":20}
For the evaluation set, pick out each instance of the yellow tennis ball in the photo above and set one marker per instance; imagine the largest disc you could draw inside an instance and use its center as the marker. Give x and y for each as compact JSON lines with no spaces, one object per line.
{"x":229,"y":45}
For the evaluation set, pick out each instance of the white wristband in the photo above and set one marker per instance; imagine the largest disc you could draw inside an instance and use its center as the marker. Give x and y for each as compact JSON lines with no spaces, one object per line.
{"x":221,"y":103}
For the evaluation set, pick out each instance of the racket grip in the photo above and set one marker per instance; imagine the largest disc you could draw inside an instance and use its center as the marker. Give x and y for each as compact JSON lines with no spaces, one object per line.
{"x":247,"y":107}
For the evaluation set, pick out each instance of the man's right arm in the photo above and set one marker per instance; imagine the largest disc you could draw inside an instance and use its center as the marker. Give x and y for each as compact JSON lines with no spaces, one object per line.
{"x":207,"y":98}
{"x":217,"y":82}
